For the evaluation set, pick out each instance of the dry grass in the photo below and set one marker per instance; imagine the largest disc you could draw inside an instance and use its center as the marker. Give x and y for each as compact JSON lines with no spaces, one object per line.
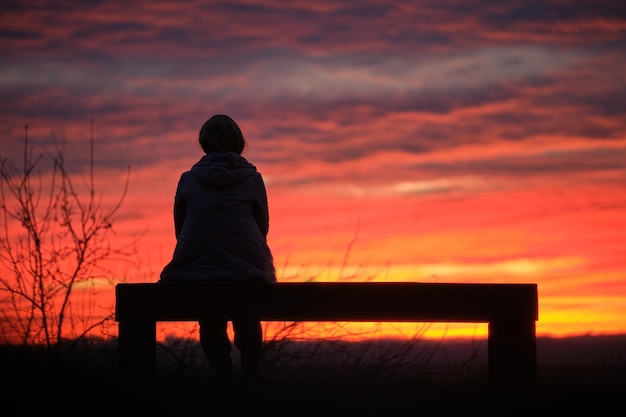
{"x":578,"y":376}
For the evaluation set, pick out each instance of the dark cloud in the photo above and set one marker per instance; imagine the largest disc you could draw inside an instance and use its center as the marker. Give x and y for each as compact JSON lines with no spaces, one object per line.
{"x":335,"y":81}
{"x":557,"y":163}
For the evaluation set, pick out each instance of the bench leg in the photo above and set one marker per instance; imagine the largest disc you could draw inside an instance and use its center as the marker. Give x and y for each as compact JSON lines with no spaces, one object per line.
{"x":137,"y":345}
{"x":512,"y":354}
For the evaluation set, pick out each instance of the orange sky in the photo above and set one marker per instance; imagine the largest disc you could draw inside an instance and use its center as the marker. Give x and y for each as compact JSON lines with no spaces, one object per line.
{"x":398,"y":142}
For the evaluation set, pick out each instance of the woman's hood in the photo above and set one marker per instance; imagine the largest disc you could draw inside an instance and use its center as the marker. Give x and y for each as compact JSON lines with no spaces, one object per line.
{"x":222,"y":169}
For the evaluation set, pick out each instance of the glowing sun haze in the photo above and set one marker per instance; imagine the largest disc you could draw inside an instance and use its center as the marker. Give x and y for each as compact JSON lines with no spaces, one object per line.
{"x":426,"y":141}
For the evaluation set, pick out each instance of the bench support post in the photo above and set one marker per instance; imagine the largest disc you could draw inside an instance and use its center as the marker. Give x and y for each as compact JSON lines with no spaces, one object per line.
{"x":512,"y":354}
{"x":137,"y":345}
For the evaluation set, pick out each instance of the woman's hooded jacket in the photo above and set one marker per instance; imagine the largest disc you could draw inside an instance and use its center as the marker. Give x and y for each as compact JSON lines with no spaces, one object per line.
{"x":221,"y":221}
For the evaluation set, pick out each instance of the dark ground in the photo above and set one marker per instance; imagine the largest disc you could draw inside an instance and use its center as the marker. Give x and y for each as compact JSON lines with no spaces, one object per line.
{"x":576,"y":376}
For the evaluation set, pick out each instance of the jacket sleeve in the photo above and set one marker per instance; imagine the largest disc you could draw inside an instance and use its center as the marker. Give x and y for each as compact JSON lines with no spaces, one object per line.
{"x":261,"y":209}
{"x":179,"y":209}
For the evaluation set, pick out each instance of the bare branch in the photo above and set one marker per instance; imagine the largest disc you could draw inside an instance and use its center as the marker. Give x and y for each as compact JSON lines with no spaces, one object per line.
{"x":51,"y":244}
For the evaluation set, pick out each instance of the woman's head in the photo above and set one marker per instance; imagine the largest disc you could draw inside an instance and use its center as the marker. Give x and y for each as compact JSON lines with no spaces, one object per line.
{"x":221,"y":133}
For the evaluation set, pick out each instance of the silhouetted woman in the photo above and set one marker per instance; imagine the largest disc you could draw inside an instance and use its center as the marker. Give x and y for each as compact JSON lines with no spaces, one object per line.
{"x":221,"y":220}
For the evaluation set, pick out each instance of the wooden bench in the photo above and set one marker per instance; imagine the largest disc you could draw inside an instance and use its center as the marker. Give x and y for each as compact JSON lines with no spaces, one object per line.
{"x":510,"y":310}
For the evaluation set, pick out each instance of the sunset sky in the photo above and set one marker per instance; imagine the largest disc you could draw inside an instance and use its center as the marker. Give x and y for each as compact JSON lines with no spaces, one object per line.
{"x":430,"y":141}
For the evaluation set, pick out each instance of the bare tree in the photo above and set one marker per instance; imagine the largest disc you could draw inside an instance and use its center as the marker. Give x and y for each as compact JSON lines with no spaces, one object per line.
{"x":54,"y":246}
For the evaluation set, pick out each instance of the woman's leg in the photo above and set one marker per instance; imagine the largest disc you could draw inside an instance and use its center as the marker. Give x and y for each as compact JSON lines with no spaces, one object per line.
{"x":249,"y":341}
{"x":216,"y":346}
